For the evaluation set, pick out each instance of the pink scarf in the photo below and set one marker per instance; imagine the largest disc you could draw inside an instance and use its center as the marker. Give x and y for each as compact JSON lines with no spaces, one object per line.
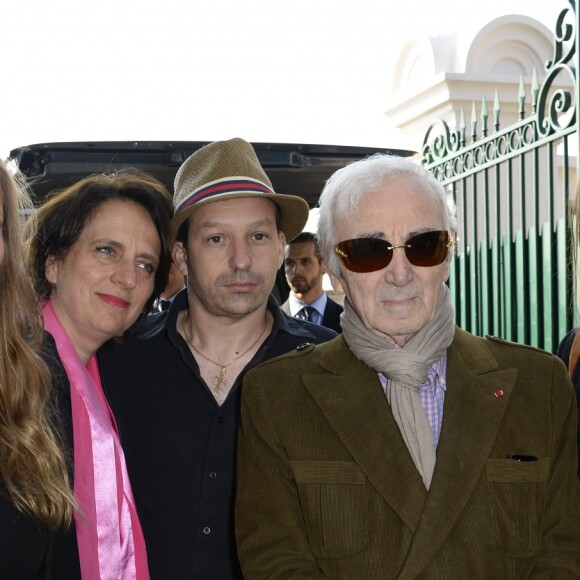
{"x":109,"y":536}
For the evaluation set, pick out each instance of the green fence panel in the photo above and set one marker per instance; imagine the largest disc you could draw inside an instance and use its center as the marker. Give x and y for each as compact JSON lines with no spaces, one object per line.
{"x":485,"y":285}
{"x":507,"y":330}
{"x":463,"y":296}
{"x":533,"y":288}
{"x":547,"y":279}
{"x":520,"y":287}
{"x":473,"y":290}
{"x":495,"y":289}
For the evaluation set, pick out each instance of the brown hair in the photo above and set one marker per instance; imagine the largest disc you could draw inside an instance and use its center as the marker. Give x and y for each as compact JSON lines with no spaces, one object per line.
{"x":308,"y":238}
{"x":32,"y":464}
{"x":58,"y":223}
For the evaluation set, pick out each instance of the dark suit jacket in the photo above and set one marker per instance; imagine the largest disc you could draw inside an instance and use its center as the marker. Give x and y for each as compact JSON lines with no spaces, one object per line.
{"x":331,"y":318}
{"x":327,"y":488}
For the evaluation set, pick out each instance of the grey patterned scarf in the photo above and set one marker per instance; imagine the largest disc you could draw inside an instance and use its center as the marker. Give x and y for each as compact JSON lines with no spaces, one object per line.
{"x":406,"y":370}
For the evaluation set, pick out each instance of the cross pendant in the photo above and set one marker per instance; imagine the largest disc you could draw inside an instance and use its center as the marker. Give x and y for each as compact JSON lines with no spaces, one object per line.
{"x":220,"y":380}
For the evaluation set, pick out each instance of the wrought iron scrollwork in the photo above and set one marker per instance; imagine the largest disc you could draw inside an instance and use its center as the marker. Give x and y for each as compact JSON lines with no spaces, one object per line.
{"x":553,"y":110}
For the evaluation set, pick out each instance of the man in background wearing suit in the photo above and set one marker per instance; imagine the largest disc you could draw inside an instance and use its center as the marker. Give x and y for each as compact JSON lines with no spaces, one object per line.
{"x":304,"y":272}
{"x":175,"y":284}
{"x":406,"y":447}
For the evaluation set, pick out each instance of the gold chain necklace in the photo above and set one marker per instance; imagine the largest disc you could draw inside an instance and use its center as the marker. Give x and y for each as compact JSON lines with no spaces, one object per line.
{"x":221,"y":378}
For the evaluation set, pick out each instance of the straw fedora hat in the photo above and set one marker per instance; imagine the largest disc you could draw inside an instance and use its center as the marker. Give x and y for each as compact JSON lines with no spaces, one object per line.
{"x":227,"y":170}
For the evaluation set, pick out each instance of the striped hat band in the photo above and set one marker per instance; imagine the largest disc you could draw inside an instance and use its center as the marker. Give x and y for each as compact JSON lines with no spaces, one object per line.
{"x":225,"y":187}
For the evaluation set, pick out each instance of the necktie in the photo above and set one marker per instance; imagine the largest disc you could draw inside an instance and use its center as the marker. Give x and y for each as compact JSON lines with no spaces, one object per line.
{"x":164,"y":305}
{"x":306,"y":313}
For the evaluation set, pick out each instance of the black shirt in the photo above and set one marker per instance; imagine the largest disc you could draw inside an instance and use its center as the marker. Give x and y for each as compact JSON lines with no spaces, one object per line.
{"x":180,"y":445}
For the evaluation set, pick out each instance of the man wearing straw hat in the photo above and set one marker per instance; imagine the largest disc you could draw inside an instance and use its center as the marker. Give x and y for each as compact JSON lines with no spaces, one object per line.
{"x":176,"y":390}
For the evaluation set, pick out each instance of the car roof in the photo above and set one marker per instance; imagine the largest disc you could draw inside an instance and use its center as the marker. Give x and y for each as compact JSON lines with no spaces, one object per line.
{"x":297,"y":169}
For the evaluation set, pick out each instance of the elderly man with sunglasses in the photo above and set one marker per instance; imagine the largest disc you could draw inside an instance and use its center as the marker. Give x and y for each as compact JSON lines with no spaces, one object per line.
{"x":406,"y":448}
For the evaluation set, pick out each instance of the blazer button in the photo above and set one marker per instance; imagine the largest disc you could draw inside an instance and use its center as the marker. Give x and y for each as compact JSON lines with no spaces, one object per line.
{"x":206,"y":531}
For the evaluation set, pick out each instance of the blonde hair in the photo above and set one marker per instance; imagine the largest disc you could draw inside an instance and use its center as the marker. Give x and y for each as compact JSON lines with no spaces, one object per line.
{"x":574,"y":226}
{"x":33,"y":465}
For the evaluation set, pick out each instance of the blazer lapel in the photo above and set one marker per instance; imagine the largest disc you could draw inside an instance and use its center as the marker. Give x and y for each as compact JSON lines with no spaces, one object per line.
{"x":475,"y":402}
{"x":355,"y":406}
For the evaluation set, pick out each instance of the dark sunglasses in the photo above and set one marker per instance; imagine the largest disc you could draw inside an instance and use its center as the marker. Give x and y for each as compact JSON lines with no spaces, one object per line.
{"x":370,"y":254}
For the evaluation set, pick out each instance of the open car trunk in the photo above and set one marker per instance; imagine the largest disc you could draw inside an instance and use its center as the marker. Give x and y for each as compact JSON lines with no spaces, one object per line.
{"x":293,"y":168}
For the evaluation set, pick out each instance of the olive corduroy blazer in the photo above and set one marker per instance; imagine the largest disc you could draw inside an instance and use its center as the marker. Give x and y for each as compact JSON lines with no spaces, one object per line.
{"x":327,"y":488}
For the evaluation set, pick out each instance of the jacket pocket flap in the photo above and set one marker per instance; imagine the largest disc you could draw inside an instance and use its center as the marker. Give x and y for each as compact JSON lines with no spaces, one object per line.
{"x":306,"y":472}
{"x":510,"y":471}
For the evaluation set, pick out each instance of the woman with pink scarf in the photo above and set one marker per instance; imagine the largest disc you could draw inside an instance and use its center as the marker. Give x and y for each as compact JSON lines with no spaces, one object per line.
{"x":100,"y":255}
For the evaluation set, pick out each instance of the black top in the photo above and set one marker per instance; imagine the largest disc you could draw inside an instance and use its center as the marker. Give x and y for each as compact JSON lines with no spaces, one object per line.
{"x":180,"y":445}
{"x":29,"y":550}
{"x":564,"y":353}
{"x":25,"y":544}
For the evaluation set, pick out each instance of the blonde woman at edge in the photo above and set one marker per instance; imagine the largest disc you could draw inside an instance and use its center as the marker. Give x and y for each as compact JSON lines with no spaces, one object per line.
{"x":35,"y":498}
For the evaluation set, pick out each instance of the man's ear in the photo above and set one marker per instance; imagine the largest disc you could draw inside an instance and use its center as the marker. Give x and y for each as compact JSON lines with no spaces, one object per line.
{"x":180,"y":257}
{"x":51,"y":269}
{"x":281,"y":249}
{"x":336,"y":284}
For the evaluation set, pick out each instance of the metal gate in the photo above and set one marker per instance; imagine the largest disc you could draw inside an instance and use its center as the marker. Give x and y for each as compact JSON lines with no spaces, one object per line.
{"x":511,"y":276}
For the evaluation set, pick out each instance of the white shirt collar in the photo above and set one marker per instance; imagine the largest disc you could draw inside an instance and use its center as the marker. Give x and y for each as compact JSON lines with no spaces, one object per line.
{"x":296,"y":305}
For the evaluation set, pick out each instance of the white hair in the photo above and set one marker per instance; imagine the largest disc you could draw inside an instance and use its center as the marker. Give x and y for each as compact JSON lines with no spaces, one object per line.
{"x":348,"y":186}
